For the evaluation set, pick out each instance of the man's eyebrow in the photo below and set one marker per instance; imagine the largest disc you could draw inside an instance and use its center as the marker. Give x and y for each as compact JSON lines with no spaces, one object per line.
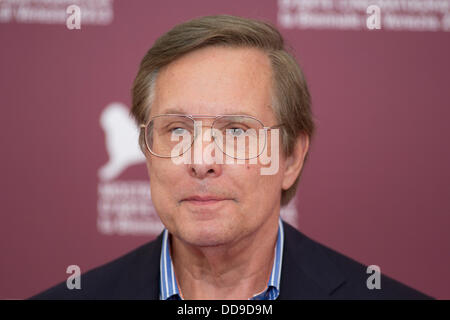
{"x":173,"y":111}
{"x":179,"y":111}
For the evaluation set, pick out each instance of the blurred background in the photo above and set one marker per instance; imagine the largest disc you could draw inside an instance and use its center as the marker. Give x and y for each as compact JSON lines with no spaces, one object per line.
{"x":74,"y":187}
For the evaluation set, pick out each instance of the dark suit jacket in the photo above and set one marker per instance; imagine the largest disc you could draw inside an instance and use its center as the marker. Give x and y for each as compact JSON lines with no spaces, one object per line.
{"x":309,"y":271}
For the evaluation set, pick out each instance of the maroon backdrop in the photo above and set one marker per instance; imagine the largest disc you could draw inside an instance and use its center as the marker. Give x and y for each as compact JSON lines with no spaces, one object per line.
{"x":376,"y":187}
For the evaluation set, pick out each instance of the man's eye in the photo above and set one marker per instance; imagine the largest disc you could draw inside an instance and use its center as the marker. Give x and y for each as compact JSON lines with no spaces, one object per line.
{"x":235,"y":131}
{"x":178,"y":131}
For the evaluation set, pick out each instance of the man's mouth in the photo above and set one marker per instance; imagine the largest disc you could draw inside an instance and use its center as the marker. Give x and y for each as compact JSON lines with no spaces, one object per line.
{"x":204,"y":199}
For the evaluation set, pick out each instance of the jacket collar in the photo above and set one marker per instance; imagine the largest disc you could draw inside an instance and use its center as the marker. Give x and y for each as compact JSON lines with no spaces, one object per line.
{"x":308,"y":272}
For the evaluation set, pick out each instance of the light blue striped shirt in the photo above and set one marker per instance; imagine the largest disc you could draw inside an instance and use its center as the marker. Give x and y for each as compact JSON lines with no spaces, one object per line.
{"x":168,"y":283}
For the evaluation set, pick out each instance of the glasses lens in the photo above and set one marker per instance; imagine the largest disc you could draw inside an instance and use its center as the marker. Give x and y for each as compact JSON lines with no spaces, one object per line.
{"x":239,"y":136}
{"x":170,"y":135}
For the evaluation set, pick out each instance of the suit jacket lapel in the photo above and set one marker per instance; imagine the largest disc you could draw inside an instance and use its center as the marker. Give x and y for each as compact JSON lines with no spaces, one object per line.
{"x":307,"y":271}
{"x":144,"y":277}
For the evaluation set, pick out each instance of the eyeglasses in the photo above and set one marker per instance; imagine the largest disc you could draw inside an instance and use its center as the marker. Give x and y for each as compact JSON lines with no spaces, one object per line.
{"x":229,"y":132}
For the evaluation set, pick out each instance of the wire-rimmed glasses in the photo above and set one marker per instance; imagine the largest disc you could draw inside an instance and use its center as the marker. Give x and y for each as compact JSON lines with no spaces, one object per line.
{"x":237,"y":136}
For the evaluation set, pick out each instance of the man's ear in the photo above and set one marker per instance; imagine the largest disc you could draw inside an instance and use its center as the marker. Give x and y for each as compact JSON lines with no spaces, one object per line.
{"x":294,"y":162}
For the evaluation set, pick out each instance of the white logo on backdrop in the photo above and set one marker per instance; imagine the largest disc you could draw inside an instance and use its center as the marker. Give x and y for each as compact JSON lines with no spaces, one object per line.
{"x":125,"y":207}
{"x":93,"y":12}
{"x":411,"y":15}
{"x":121,"y":136}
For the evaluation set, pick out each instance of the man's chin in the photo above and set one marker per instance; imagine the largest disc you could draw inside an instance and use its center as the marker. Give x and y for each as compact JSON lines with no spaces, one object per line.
{"x":208,"y":243}
{"x":205,"y":236}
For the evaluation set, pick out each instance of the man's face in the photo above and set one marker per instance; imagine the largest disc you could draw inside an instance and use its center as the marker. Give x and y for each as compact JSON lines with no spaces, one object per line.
{"x":213,"y":81}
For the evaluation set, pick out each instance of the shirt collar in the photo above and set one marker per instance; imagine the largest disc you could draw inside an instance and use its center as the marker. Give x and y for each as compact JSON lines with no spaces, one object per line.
{"x":168,"y":283}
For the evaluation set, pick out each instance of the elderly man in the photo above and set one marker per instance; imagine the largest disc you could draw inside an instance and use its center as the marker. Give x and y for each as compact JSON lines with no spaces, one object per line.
{"x":225,"y":86}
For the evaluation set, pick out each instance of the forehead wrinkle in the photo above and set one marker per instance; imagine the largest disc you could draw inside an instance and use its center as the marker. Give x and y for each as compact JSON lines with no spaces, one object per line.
{"x":231,"y":64}
{"x":177,"y":110}
{"x":254,"y":87}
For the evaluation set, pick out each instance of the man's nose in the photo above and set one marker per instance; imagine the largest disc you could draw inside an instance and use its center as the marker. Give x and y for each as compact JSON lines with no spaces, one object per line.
{"x":204,"y":162}
{"x":202,"y":171}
